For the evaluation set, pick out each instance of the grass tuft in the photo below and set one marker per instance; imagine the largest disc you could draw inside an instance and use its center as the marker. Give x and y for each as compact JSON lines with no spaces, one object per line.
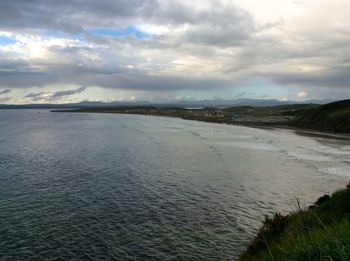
{"x":321,"y":232}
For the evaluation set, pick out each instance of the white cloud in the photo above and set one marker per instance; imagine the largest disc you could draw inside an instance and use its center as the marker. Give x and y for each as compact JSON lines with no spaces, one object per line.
{"x":302,"y":94}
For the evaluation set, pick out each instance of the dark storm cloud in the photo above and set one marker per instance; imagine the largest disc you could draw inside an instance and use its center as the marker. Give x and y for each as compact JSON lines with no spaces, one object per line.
{"x":338,"y":77}
{"x":133,"y":81}
{"x":223,"y":24}
{"x":22,"y":79}
{"x":116,"y":77}
{"x":51,"y":13}
{"x":51,"y":96}
{"x":2,"y":92}
{"x":70,"y":15}
{"x":9,"y":65}
{"x":60,"y":94}
{"x":33,"y":95}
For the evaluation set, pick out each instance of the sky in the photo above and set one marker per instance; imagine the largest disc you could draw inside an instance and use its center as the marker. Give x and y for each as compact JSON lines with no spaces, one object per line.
{"x":170,"y":50}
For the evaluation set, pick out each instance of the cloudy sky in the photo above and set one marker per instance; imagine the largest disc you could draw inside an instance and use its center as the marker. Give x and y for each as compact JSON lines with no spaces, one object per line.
{"x":164,"y":50}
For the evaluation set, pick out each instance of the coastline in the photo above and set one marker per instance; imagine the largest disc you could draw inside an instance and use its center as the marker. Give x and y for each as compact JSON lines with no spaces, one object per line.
{"x":258,"y":125}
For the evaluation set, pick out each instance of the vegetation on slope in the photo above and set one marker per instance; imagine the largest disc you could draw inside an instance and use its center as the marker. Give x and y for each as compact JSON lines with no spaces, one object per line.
{"x":320,"y":233}
{"x":246,"y":115}
{"x":333,"y":116}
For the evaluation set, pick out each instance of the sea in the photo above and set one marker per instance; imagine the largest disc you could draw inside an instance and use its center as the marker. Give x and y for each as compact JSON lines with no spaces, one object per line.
{"x":85,"y":186}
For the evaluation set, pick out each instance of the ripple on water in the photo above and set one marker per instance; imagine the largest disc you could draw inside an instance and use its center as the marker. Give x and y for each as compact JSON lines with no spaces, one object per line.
{"x":93,"y":187}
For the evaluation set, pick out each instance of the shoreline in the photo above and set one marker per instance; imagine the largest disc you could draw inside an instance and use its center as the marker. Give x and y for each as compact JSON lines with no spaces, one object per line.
{"x":257,"y":125}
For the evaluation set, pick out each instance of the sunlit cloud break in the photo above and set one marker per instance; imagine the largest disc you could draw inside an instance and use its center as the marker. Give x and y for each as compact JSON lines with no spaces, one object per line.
{"x":302,"y":94}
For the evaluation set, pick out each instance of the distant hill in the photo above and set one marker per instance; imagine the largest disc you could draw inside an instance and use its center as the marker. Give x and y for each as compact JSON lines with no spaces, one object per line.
{"x":333,"y":116}
{"x":80,"y":105}
{"x":222,"y":103}
{"x":241,"y":102}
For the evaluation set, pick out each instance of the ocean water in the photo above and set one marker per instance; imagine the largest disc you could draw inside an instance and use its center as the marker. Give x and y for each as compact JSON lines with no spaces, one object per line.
{"x":128,"y":187}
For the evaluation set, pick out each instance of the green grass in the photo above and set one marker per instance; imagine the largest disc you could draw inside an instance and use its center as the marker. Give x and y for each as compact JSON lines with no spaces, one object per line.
{"x":319,"y":233}
{"x":333,"y":116}
{"x":287,"y":109}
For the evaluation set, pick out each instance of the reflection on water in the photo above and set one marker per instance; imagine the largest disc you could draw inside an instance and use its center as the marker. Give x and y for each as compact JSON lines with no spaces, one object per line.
{"x":95,"y":186}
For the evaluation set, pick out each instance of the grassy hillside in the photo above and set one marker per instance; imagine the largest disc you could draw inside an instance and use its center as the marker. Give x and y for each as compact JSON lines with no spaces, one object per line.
{"x":333,"y":116}
{"x":320,"y":233}
{"x":259,"y":113}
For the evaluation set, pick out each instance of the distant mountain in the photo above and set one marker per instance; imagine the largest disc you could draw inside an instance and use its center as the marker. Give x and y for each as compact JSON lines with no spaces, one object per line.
{"x":84,"y":104}
{"x":244,"y":102}
{"x":184,"y":103}
{"x":230,"y":103}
